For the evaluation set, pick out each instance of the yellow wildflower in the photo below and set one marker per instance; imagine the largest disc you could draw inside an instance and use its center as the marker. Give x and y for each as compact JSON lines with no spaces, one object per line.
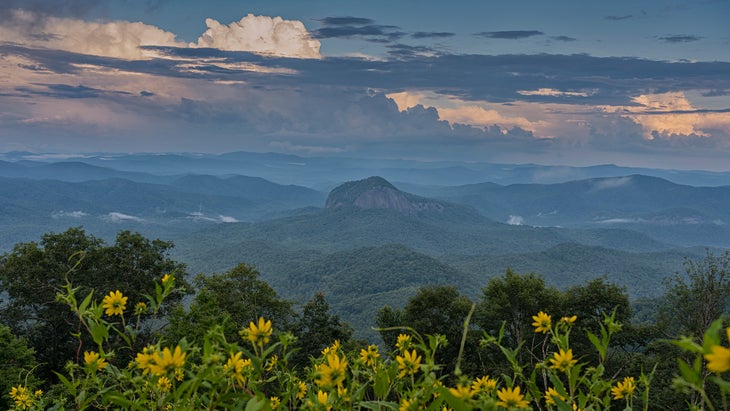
{"x":332,"y":372}
{"x":164,"y":384}
{"x":271,"y":362}
{"x":461,"y":391}
{"x":322,"y":399}
{"x":405,"y":404}
{"x":274,"y":402}
{"x":167,"y":278}
{"x":21,"y":396}
{"x":332,"y":348}
{"x":511,"y":398}
{"x":259,"y":334}
{"x":409,"y":363}
{"x":569,"y":320}
{"x":563,"y":360}
{"x":140,"y":308}
{"x":114,"y":303}
{"x":235,"y":366}
{"x":551,"y":394}
{"x":370,"y":356}
{"x":302,"y":390}
{"x":718,"y":359}
{"x":623,"y":389}
{"x":167,"y":360}
{"x":91,"y":358}
{"x":404,"y":342}
{"x":483,"y":384}
{"x":541,"y":322}
{"x":145,"y":359}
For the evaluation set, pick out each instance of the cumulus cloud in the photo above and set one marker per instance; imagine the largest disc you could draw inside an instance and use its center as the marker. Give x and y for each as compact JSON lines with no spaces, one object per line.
{"x":128,"y":40}
{"x":672,"y":114}
{"x":261,"y":34}
{"x":121,"y":39}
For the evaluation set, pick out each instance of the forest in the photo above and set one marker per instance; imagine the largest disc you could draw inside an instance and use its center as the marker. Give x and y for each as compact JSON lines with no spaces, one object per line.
{"x":91,"y":325}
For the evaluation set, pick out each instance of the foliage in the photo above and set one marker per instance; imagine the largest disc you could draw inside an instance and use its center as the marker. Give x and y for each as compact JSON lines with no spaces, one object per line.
{"x":17,"y":363}
{"x":231,"y":299}
{"x":695,"y":300}
{"x":317,"y":328}
{"x":32,"y":274}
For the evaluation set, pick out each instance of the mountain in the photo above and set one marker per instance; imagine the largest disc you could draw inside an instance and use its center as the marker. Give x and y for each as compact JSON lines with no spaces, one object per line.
{"x":30,"y":207}
{"x":377,"y":193}
{"x":680,"y":214}
{"x":324,"y":173}
{"x":252,"y":188}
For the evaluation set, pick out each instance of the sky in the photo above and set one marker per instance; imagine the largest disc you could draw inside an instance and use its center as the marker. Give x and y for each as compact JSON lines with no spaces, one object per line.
{"x":636,"y":83}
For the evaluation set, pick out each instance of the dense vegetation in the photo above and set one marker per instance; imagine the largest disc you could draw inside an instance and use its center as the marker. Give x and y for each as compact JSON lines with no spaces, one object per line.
{"x":121,"y":337}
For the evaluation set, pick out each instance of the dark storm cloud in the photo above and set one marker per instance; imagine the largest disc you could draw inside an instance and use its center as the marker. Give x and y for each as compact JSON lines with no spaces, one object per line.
{"x":509,"y":34}
{"x":498,"y":79}
{"x":563,"y":38}
{"x":357,"y":27}
{"x":407,"y":51}
{"x":432,"y":34}
{"x":66,"y":91}
{"x":618,"y":18}
{"x":679,"y":38}
{"x":346,"y":21}
{"x":376,"y":31}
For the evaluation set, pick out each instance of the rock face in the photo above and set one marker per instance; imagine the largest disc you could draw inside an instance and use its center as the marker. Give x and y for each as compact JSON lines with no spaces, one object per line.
{"x":376,"y":192}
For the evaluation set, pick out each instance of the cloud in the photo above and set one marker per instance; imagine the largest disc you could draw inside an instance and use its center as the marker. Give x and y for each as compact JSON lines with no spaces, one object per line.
{"x":117,"y":217}
{"x":127,"y":40}
{"x":679,"y":38}
{"x":563,"y":38}
{"x":610,"y":183}
{"x":509,"y":34}
{"x":432,"y":34}
{"x":119,"y":39}
{"x":356,"y":27}
{"x":515,"y":220}
{"x":346,"y":21}
{"x":553,"y":93}
{"x":716,"y":93}
{"x":618,"y":18}
{"x":261,"y":34}
{"x":69,"y":214}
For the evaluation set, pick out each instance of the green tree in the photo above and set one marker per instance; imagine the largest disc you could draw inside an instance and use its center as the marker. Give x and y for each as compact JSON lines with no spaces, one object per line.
{"x":513,"y":300}
{"x":699,"y":297}
{"x":318,"y":328}
{"x":435,"y":309}
{"x":32,"y":273}
{"x":17,"y":363}
{"x":232,"y":299}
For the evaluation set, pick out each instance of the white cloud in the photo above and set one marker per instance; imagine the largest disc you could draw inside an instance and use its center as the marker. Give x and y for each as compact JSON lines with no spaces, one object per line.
{"x":227,"y":219}
{"x":609,"y":183}
{"x":671,"y":114}
{"x":116,"y":217}
{"x":69,"y":214}
{"x":551,"y":92}
{"x":261,"y":34}
{"x":515,"y":220}
{"x":124,"y":39}
{"x":120,"y":39}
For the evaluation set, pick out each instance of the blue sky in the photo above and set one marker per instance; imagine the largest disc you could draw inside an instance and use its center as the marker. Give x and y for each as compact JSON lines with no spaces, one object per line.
{"x":641,"y":83}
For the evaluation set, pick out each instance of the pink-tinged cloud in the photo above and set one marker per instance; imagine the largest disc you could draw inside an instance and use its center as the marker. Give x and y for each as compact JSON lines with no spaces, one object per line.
{"x":261,"y":34}
{"x":127,"y":40}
